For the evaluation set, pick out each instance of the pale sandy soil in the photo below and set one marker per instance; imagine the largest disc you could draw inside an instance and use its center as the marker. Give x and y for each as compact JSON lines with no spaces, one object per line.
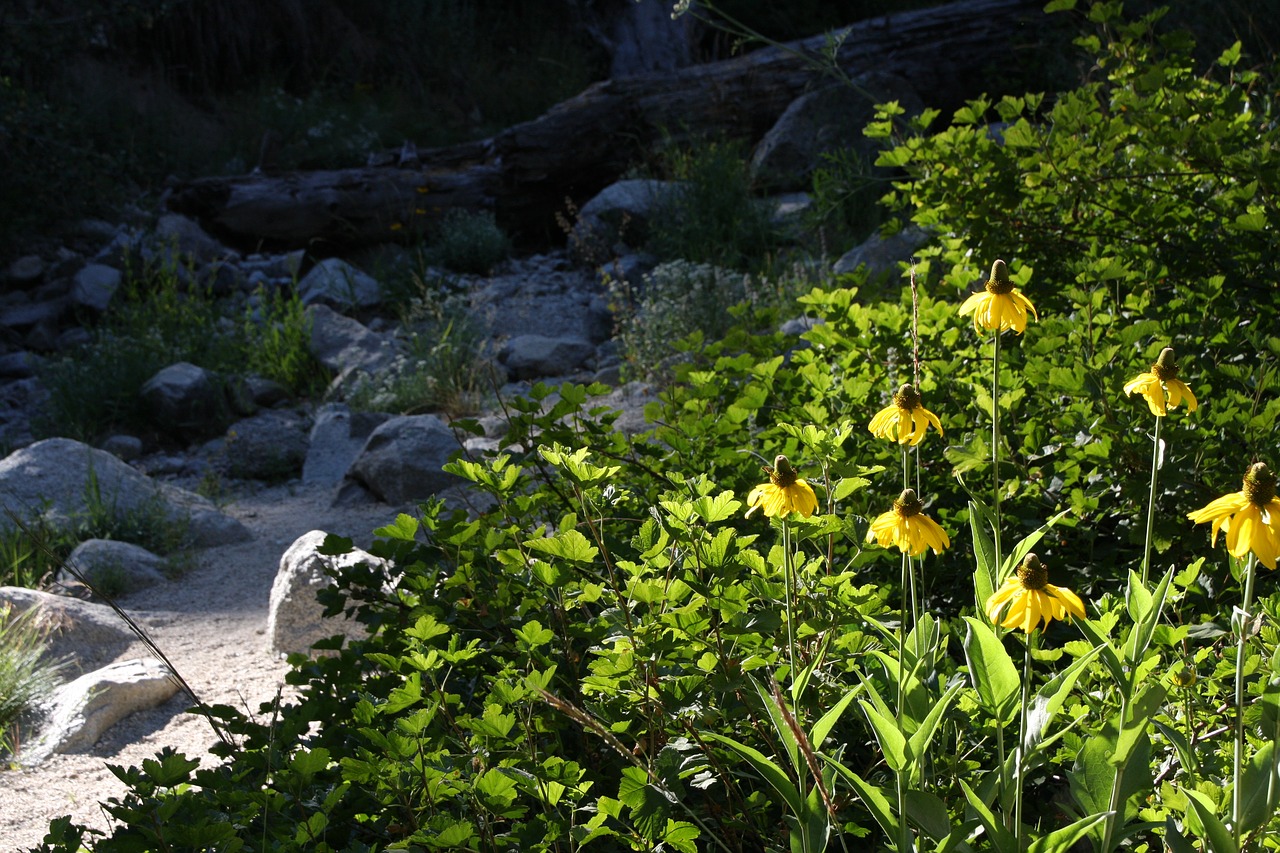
{"x":211,"y":623}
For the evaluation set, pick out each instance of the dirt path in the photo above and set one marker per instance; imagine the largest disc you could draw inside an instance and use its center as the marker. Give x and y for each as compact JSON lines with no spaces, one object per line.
{"x":211,"y":623}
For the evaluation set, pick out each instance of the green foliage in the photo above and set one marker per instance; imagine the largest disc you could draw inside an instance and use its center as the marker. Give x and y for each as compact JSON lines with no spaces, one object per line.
{"x":609,"y":654}
{"x":26,"y":673}
{"x":156,"y":320}
{"x":713,"y":217}
{"x":468,"y":242}
{"x":443,"y":366}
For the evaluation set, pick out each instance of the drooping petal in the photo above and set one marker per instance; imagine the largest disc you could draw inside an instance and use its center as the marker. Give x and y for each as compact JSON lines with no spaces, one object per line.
{"x":1071,"y":602}
{"x":1177,"y":386}
{"x":1001,"y":597}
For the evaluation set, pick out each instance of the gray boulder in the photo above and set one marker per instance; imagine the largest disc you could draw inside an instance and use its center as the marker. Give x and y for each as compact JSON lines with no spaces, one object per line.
{"x":268,"y":446}
{"x":80,"y":712}
{"x":186,"y":400}
{"x":620,"y":213}
{"x":341,"y":343}
{"x":882,"y":256}
{"x":83,"y":633}
{"x":94,"y":285}
{"x":823,"y":121}
{"x":336,"y":283}
{"x":533,"y":356}
{"x":115,"y":568}
{"x":57,"y":479}
{"x":295,"y":618}
{"x":337,"y":437}
{"x":402,"y":460}
{"x":189,"y":239}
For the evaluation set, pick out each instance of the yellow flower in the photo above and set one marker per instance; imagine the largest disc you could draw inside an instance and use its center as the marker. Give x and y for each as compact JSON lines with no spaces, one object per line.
{"x":1161,"y":381}
{"x":784,"y":494}
{"x":1000,"y":305}
{"x":1250,"y":517}
{"x":908,"y":527}
{"x":1031,"y":598}
{"x":906,"y":420}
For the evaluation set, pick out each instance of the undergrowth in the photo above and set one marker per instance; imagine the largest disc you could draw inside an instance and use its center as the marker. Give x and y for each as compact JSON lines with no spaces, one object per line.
{"x":636,"y":646}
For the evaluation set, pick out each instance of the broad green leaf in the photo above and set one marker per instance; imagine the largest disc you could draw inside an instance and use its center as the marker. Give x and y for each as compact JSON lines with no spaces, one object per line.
{"x":404,"y":528}
{"x":1066,"y":837}
{"x":1202,"y":820}
{"x":823,"y":727}
{"x":872,"y":797}
{"x":769,"y":771}
{"x":1258,"y":781}
{"x":785,"y":734}
{"x":991,"y":671}
{"x":929,"y":813}
{"x":568,"y":545}
{"x":1150,"y":606}
{"x":920,"y":740}
{"x":1001,"y":837}
{"x":893,"y":745}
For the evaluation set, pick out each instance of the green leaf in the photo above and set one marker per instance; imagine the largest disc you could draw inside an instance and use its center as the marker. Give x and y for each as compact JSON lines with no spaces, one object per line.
{"x":1150,"y":606}
{"x":496,"y":789}
{"x":568,"y":545}
{"x":823,"y":727}
{"x":1257,"y":782}
{"x":531,"y":635}
{"x":872,"y":797}
{"x":769,"y":771}
{"x":404,"y":528}
{"x":719,"y":508}
{"x":893,"y":745}
{"x":1066,"y":837}
{"x":681,"y":835}
{"x":649,"y":807}
{"x":1001,"y":837}
{"x":1202,"y":821}
{"x":1059,"y":6}
{"x":992,"y":671}
{"x":929,"y":813}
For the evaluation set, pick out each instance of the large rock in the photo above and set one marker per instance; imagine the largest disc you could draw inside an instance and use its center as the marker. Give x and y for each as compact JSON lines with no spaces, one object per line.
{"x":186,"y":400}
{"x":402,"y":460}
{"x":81,"y":712}
{"x":883,"y":256}
{"x":534,"y":356}
{"x":295,"y":618}
{"x":336,"y":283}
{"x":341,"y":343}
{"x":94,"y":286}
{"x":114,"y":568}
{"x":824,"y":121}
{"x":621,"y":212}
{"x":84,"y":633}
{"x":268,"y":446}
{"x":337,"y":437}
{"x":57,"y":479}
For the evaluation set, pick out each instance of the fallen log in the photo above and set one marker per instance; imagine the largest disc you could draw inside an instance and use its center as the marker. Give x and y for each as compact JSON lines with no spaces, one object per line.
{"x":525,"y":173}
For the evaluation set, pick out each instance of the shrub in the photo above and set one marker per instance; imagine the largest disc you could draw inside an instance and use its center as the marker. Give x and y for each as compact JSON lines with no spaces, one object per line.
{"x":468,"y":242}
{"x":443,"y":365}
{"x":715,"y":217}
{"x":26,"y":674}
{"x":157,"y":320}
{"x":615,"y":653}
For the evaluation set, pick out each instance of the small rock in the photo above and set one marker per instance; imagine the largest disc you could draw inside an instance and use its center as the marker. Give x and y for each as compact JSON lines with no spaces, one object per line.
{"x":533,"y":356}
{"x":338,"y":284}
{"x":94,"y":286}
{"x":295,"y":619}
{"x":125,"y":447}
{"x":26,"y":270}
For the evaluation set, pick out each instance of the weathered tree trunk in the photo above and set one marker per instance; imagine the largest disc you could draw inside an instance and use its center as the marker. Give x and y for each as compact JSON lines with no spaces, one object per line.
{"x":527,"y":172}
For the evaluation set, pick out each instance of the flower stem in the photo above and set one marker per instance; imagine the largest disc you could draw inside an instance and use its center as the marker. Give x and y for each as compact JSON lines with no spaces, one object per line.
{"x":788,"y":578}
{"x":1021,"y":760}
{"x":1237,"y":796}
{"x":995,"y":444}
{"x":1151,"y":502}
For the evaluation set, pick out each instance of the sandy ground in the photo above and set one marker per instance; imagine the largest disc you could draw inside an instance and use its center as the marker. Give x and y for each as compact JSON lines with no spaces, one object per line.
{"x":211,"y":623}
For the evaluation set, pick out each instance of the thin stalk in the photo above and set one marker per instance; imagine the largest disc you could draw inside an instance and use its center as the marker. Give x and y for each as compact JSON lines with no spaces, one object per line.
{"x":1237,"y":798}
{"x":1151,"y":501}
{"x":1021,"y":760}
{"x":995,"y":443}
{"x":904,"y":840}
{"x":789,"y":572}
{"x":1115,"y":806}
{"x":909,"y":574}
